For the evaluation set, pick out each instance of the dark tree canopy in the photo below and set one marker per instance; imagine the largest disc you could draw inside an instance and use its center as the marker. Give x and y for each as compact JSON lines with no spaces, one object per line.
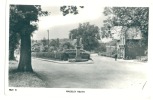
{"x":22,"y":17}
{"x":13,"y":44}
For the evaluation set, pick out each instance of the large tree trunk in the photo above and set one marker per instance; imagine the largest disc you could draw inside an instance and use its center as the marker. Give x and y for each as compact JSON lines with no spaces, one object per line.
{"x":11,"y":54}
{"x":25,"y":54}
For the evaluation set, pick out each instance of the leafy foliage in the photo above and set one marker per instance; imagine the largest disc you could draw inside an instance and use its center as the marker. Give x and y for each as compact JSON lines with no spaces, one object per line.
{"x":21,"y":17}
{"x":88,"y":33}
{"x":23,"y":20}
{"x":13,"y":44}
{"x":55,"y":43}
{"x":128,"y":16}
{"x":70,"y":9}
{"x":67,"y":45}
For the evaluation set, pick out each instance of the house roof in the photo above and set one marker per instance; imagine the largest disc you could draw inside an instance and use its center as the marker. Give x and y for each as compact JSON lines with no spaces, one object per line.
{"x":132,"y":32}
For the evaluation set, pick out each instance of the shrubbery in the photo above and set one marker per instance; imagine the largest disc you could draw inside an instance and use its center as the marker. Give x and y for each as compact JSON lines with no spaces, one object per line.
{"x":71,"y":54}
{"x":50,"y":55}
{"x":60,"y":55}
{"x":85,"y":56}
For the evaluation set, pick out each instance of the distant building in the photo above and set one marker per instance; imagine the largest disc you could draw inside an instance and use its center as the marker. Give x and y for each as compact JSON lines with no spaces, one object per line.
{"x":128,"y":42}
{"x":110,"y":50}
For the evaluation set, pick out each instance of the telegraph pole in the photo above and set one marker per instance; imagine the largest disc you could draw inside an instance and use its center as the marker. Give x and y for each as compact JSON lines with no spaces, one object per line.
{"x":48,"y":39}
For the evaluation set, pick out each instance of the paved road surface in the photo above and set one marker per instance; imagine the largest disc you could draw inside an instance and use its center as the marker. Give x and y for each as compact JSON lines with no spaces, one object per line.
{"x":105,"y":73}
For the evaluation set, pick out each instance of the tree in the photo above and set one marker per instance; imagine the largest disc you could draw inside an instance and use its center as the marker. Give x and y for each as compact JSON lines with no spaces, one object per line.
{"x":45,"y":45}
{"x":55,"y":43}
{"x":67,"y":45}
{"x":13,"y":44}
{"x":23,"y":20}
{"x":13,"y":35}
{"x":129,"y":17}
{"x":88,"y":33}
{"x":105,"y":32}
{"x":44,"y":42}
{"x":70,"y":9}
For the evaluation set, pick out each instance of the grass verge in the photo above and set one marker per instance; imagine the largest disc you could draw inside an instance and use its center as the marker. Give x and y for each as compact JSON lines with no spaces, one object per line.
{"x":23,"y":79}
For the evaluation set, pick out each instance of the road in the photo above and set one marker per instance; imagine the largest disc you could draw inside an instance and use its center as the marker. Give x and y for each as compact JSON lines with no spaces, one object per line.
{"x":104,"y":73}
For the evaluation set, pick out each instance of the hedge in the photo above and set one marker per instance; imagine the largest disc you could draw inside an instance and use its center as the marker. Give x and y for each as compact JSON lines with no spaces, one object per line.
{"x":59,"y":55}
{"x":50,"y":55}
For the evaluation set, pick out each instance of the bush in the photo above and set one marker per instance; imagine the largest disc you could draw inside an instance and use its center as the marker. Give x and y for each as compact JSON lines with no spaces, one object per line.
{"x":71,"y":54}
{"x":85,"y":56}
{"x":49,"y":55}
{"x":68,"y":54}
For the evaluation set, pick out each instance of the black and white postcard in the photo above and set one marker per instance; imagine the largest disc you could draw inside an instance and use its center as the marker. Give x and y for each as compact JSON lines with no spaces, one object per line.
{"x":83,"y":49}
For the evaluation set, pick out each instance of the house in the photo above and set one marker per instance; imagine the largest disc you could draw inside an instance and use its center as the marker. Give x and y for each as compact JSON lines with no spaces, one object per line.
{"x":111,"y":48}
{"x":128,"y":42}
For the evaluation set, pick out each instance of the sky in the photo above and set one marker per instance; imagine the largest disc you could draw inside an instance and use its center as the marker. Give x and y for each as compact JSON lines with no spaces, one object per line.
{"x":59,"y":26}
